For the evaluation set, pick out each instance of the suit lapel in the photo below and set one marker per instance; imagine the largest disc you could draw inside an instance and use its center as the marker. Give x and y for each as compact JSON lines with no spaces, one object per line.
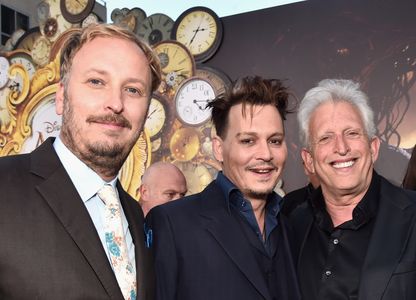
{"x":387,"y":242}
{"x":228,"y":233}
{"x":60,"y":194}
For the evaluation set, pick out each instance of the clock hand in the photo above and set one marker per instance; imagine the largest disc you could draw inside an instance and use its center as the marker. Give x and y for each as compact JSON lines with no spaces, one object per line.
{"x":149,"y":115}
{"x":196,"y":31}
{"x":193,"y":37}
{"x":199,"y":106}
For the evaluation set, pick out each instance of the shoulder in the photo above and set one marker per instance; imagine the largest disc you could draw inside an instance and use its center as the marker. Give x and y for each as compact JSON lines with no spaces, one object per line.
{"x":187,"y":209}
{"x":14,"y":165}
{"x":293,"y":199}
{"x":397,"y":196}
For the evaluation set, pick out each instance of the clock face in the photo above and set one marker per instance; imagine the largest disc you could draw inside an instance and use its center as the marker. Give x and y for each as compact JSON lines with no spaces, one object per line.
{"x":184,"y":144}
{"x":156,"y":28}
{"x":23,"y":58}
{"x":41,"y":50}
{"x":27,"y":40}
{"x":197,"y":176}
{"x":43,"y":11}
{"x":177,"y":63}
{"x":191,"y":101}
{"x":90,"y":19}
{"x":219,"y":80}
{"x":4,"y":71}
{"x":75,"y":11}
{"x":156,"y":116}
{"x":200,"y":30}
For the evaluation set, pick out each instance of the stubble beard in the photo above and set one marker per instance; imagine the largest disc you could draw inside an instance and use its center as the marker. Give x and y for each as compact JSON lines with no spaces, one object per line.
{"x":105,"y":159}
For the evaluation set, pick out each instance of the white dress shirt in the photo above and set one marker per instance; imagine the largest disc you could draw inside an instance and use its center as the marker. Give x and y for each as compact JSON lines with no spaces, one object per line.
{"x":87,"y":183}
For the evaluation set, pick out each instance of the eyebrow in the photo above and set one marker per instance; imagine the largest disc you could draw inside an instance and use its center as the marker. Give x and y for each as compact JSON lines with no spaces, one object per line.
{"x":280,"y":134}
{"x":105,"y":73}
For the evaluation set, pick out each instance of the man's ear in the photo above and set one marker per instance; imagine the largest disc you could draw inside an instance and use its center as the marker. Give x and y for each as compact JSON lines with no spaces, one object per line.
{"x":59,"y":99}
{"x":217,"y":148}
{"x":143,"y":192}
{"x":374,"y":147}
{"x":307,"y":160}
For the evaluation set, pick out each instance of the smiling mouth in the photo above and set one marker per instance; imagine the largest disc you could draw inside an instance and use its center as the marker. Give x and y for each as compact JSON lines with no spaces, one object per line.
{"x":344,"y":164}
{"x":262,"y":171}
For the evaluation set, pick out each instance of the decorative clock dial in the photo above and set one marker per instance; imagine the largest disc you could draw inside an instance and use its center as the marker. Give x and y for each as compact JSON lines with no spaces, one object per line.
{"x":197,"y":176}
{"x":191,"y":101}
{"x":41,"y":50}
{"x":75,"y":11}
{"x":156,"y":116}
{"x":156,"y":28}
{"x":200,"y":30}
{"x":219,"y":80}
{"x":90,"y":19}
{"x":176,"y":61}
{"x":23,"y":58}
{"x":184,"y":144}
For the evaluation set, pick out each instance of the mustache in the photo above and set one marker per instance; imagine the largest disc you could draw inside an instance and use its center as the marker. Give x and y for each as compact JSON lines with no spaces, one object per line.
{"x":119,"y":120}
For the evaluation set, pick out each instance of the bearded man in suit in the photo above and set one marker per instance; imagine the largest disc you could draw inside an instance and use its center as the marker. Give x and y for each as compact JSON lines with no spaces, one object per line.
{"x":55,"y":243}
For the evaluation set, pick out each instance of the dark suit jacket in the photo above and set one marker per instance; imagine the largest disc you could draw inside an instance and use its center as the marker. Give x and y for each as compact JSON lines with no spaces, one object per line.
{"x":389,"y":270}
{"x":49,"y":246}
{"x":201,"y":252}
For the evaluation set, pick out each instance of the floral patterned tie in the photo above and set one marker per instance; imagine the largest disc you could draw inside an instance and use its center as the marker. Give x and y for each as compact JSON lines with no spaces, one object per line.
{"x":116,"y":243}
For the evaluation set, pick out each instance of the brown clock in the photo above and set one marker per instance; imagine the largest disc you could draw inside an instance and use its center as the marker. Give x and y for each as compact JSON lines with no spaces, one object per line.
{"x":219,"y":80}
{"x":74,"y":11}
{"x":200,"y":30}
{"x":49,"y":27}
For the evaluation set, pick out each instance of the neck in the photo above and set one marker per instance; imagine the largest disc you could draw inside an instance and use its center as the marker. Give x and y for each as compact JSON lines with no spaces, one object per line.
{"x":259,"y":209}
{"x":340,"y":208}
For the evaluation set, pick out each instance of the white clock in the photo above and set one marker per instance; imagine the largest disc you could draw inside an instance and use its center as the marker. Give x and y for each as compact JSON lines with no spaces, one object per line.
{"x":4,"y":71}
{"x":191,"y":100}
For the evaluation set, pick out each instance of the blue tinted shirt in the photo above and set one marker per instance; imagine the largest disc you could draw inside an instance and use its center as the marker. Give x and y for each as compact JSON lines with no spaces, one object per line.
{"x":235,"y":200}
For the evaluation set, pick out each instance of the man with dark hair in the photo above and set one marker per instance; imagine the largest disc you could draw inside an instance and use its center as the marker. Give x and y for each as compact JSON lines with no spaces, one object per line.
{"x":68,"y":228}
{"x":229,"y":241}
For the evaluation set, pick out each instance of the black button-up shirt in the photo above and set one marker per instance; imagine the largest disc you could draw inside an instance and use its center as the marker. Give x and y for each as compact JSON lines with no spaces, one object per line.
{"x":332,"y":258}
{"x":235,"y":200}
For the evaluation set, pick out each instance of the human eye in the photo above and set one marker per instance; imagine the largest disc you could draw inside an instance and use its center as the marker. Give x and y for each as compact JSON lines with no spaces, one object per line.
{"x":246,"y":141}
{"x":134,"y":91}
{"x":276,"y":141}
{"x":95,"y":81}
{"x":353,"y":134}
{"x":325,"y":139}
{"x":170,"y":195}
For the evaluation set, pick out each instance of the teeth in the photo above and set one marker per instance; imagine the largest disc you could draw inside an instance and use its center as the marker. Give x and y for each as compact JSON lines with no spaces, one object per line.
{"x":262,"y":171}
{"x":345,"y":164}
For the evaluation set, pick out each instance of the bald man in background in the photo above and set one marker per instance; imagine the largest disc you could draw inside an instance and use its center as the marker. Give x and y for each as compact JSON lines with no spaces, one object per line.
{"x":161,"y":182}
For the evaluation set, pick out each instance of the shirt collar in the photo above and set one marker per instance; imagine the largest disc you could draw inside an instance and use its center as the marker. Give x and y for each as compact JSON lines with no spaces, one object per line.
{"x":234,"y":197}
{"x":85,"y":180}
{"x":365,"y":210}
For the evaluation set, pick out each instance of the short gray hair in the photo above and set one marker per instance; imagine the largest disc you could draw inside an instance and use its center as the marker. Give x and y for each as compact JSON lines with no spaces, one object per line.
{"x":335,"y":90}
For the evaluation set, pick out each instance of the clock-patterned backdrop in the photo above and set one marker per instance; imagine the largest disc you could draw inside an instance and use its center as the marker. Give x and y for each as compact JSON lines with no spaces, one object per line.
{"x":178,"y":127}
